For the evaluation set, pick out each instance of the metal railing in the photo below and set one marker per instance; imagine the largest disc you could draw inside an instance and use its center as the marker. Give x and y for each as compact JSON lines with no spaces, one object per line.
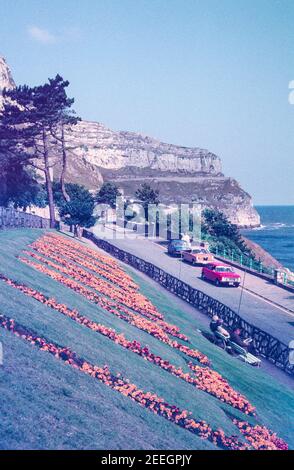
{"x":246,"y":262}
{"x":252,"y":265}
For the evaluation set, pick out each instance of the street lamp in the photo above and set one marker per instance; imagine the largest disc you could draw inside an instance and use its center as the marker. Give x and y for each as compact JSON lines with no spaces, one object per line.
{"x":242,"y":290}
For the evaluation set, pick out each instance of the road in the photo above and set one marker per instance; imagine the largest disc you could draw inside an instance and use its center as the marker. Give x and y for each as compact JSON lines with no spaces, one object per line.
{"x":277,"y":320}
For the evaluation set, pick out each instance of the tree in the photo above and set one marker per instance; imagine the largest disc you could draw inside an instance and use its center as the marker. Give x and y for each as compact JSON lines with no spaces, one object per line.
{"x":35,"y":118}
{"x":107,"y":194}
{"x":18,"y":184}
{"x":147,"y":195}
{"x":216,"y":224}
{"x":78,"y":211}
{"x":67,"y":119}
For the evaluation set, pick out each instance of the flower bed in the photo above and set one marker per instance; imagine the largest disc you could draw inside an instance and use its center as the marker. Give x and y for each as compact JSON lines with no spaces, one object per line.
{"x":143,"y":324}
{"x":213,"y":383}
{"x":94,"y":254}
{"x":114,"y":274}
{"x":135,"y":301}
{"x":258,"y":437}
{"x":205,"y":379}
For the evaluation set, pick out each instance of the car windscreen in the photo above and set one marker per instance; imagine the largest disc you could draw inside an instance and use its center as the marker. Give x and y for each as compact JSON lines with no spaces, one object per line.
{"x":224,"y":269}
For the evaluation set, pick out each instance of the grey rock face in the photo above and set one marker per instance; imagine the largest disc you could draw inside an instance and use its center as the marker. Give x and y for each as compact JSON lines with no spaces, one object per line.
{"x":6,"y":80}
{"x":218,"y":192}
{"x":112,"y":150}
{"x":182,"y":175}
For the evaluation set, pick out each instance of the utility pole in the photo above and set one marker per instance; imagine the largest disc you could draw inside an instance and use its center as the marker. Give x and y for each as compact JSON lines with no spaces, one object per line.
{"x":242,"y":290}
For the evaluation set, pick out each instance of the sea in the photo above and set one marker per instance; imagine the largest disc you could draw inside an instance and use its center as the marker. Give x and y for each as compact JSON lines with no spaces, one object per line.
{"x":276,"y":233}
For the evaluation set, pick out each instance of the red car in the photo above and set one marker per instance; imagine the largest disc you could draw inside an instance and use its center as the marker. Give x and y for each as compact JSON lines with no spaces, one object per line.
{"x":221,"y":274}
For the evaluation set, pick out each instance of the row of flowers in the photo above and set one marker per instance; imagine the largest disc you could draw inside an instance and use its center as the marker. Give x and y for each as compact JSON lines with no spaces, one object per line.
{"x":205,"y":379}
{"x":86,"y":251}
{"x":113,"y":274}
{"x":135,"y":300}
{"x":101,"y":287}
{"x":126,"y":315}
{"x":213,"y":383}
{"x":258,"y":437}
{"x":108,"y":264}
{"x":51,"y":244}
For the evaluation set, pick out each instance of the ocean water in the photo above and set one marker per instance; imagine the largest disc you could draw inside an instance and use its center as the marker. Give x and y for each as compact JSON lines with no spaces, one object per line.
{"x":276,"y":234}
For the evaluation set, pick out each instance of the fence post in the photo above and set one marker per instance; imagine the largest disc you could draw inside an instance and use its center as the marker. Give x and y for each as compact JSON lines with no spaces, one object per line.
{"x":285,"y":278}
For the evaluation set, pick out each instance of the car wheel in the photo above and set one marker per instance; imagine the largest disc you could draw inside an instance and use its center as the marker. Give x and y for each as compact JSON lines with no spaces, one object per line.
{"x":236,"y":284}
{"x":217,"y":283}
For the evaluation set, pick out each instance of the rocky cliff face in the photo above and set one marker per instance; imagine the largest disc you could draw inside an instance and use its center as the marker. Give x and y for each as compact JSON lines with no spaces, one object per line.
{"x":120,"y":150}
{"x":182,"y":174}
{"x":218,"y":192}
{"x":6,"y":80}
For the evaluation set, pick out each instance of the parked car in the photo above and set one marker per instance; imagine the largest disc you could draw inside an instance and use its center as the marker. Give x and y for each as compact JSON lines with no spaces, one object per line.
{"x":198,"y":255}
{"x":176,"y":247}
{"x":221,"y":274}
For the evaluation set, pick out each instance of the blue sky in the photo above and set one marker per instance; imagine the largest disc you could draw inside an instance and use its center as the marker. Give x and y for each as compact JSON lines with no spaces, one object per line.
{"x":209,"y":73}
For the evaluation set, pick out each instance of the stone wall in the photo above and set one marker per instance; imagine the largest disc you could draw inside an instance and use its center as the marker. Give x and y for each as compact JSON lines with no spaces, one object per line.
{"x":10,"y":218}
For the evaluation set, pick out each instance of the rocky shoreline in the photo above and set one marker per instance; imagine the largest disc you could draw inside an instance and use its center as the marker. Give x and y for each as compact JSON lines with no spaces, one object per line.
{"x":261,"y":254}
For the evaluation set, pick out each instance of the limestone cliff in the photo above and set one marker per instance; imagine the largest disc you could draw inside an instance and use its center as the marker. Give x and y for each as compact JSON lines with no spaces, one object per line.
{"x":182,"y":174}
{"x":121,"y":150}
{"x":6,"y":80}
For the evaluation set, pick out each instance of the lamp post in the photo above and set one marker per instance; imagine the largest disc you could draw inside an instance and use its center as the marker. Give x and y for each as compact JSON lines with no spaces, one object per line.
{"x":242,"y":290}
{"x":180,"y":270}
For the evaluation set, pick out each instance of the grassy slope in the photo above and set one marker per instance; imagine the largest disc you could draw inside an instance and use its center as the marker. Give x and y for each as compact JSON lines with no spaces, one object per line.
{"x":46,"y":404}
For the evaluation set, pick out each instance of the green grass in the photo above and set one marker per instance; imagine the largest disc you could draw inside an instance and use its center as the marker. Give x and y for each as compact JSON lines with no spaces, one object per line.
{"x":46,"y":404}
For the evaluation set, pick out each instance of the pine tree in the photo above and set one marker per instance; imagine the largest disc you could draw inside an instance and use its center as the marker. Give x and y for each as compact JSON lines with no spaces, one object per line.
{"x":107,"y":194}
{"x":78,"y":211}
{"x":147,"y":195}
{"x":18,"y":184}
{"x":35,"y":120}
